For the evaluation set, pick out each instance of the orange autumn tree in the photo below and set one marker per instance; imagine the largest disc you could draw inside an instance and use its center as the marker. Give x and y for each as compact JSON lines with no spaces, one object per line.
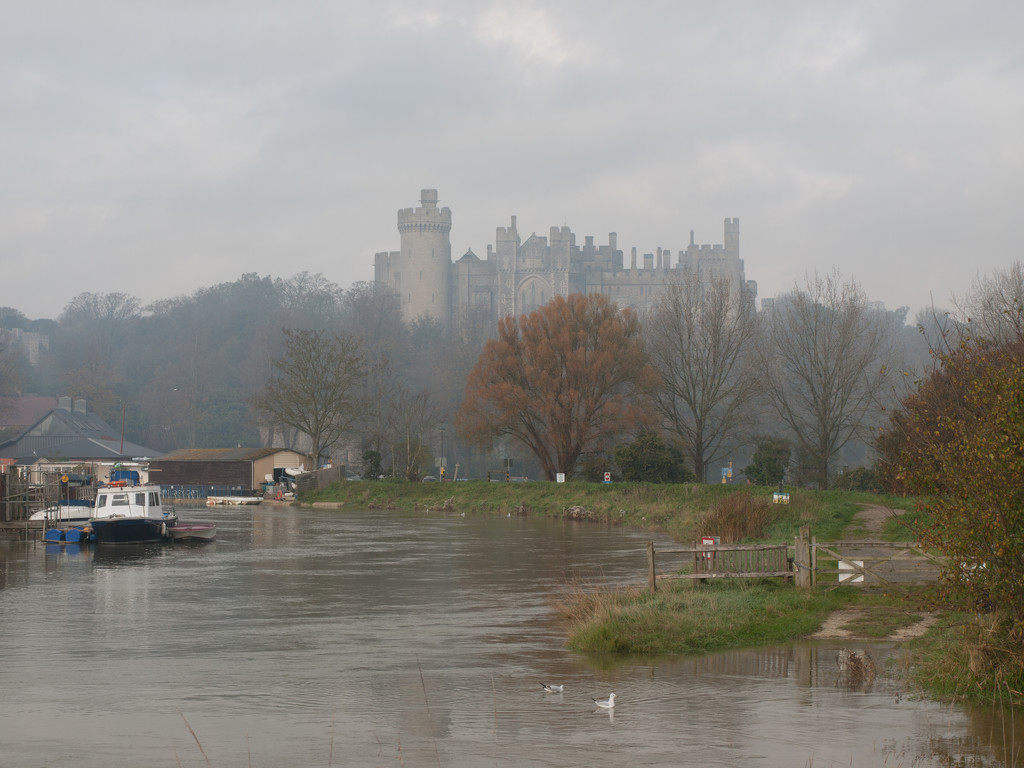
{"x":563,"y":381}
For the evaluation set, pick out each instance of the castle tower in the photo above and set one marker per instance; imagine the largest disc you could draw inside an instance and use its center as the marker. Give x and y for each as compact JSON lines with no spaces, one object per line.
{"x":426,"y":258}
{"x":732,"y":237}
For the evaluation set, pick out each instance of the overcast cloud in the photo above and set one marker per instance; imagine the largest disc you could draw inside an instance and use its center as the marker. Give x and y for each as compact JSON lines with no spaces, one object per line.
{"x":155,"y":148}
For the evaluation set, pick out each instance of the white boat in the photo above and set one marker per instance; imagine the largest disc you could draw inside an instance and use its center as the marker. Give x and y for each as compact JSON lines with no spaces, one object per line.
{"x":130,"y":514}
{"x":233,"y":501}
{"x":71,"y":511}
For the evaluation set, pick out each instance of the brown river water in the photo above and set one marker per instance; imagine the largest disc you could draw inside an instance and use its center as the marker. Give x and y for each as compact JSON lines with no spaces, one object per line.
{"x":345,"y":638}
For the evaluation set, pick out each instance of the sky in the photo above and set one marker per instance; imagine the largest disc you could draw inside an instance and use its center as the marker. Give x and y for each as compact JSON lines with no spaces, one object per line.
{"x":157,"y":148}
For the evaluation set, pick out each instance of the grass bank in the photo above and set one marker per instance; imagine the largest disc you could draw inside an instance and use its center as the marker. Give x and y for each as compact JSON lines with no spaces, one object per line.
{"x":684,"y":511}
{"x":689,"y":619}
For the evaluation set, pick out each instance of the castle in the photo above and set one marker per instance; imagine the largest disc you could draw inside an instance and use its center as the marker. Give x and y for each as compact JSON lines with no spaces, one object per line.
{"x":517,"y":277}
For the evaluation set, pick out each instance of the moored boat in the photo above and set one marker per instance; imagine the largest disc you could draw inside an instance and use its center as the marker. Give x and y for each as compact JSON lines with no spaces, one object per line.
{"x":212,"y":501}
{"x":130,"y":514}
{"x":193,"y":532}
{"x":70,"y":511}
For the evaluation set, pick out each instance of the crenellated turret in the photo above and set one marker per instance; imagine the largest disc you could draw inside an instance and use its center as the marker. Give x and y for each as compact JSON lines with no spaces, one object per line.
{"x":426,"y":258}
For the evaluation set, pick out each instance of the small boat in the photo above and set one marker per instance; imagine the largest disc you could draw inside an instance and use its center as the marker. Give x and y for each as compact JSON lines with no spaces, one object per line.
{"x":69,"y":511}
{"x":130,"y":514}
{"x":234,"y":501}
{"x":193,"y":532}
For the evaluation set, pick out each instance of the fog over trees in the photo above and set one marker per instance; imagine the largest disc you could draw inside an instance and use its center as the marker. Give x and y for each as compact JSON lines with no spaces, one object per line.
{"x":825,"y":359}
{"x":700,"y":336}
{"x":818,"y":369}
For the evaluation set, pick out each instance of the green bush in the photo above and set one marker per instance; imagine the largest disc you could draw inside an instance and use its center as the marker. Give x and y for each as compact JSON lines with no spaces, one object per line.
{"x":769,"y":462}
{"x":652,"y":460}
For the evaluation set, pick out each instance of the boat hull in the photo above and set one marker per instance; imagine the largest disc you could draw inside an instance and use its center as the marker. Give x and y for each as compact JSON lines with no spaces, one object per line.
{"x":131,"y":530}
{"x":193,"y":532}
{"x":232,"y":501}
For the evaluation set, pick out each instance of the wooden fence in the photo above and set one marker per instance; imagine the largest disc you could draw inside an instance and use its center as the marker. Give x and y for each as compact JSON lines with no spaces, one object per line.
{"x":721,"y":562}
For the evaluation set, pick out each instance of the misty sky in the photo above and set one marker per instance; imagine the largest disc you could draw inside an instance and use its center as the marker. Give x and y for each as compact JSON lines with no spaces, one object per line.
{"x":155,"y":148}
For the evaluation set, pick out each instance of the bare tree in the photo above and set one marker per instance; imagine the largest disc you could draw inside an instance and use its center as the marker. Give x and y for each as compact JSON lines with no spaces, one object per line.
{"x":315,"y":390}
{"x":413,"y":415}
{"x":993,"y":308}
{"x":824,"y":363}
{"x":699,"y":337}
{"x":94,"y":345}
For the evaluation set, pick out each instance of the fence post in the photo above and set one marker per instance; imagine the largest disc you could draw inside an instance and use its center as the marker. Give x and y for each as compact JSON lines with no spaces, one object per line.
{"x":651,"y":579}
{"x":802,"y":559}
{"x":814,"y":562}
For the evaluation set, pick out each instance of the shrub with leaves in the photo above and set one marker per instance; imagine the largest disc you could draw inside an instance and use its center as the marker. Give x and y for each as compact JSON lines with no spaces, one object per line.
{"x":858,"y":479}
{"x":959,"y":443}
{"x":651,"y":459}
{"x":768,"y":464}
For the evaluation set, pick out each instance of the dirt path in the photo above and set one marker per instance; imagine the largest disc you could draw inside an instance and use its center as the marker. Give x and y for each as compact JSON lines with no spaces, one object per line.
{"x":871,"y":518}
{"x":835,"y":626}
{"x":868,"y":522}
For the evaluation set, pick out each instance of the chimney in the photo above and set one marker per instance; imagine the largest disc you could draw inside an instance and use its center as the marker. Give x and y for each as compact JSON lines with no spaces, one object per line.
{"x":80,"y":407}
{"x":64,"y":403}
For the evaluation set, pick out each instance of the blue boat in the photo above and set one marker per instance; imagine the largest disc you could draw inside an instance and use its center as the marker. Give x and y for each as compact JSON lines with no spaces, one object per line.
{"x":125,"y":513}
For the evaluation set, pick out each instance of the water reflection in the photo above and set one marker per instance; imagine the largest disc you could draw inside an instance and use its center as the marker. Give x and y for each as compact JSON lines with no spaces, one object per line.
{"x":301,"y":637}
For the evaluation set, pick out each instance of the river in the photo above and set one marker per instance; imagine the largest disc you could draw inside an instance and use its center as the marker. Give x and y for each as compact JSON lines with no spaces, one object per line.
{"x":335,"y":638}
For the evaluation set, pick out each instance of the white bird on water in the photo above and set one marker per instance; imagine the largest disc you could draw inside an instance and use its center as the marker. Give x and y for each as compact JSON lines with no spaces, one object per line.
{"x":552,"y":688}
{"x":608,"y":703}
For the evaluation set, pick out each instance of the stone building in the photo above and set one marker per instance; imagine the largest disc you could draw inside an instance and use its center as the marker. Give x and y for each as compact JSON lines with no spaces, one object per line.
{"x":518,"y":276}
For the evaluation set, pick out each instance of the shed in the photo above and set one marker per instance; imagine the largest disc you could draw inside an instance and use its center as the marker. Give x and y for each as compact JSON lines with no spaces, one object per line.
{"x":246,"y":468}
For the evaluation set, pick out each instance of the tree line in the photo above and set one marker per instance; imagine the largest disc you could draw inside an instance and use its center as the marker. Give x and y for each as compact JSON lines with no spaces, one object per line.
{"x":579,"y":387}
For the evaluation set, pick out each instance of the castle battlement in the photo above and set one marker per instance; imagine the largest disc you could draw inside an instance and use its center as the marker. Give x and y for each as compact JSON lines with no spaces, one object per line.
{"x":428,"y":217}
{"x":519,"y":276}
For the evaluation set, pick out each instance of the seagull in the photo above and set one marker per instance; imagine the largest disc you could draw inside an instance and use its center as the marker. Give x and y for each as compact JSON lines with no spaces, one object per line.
{"x":552,"y":688}
{"x":608,"y":703}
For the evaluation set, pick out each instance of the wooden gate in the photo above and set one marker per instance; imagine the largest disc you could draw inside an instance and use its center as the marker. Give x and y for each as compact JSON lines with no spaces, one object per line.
{"x":865,"y":563}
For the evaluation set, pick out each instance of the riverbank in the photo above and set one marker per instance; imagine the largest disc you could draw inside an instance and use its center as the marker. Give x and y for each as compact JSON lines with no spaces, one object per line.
{"x":943,"y":650}
{"x":686,"y":512}
{"x":682,"y":511}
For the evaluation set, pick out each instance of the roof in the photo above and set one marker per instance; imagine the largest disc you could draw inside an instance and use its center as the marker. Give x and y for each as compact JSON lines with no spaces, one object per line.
{"x":220,"y":454}
{"x":66,"y":435}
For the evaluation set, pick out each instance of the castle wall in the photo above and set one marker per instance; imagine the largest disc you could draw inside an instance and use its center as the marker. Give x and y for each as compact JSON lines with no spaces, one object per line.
{"x":519,"y":276}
